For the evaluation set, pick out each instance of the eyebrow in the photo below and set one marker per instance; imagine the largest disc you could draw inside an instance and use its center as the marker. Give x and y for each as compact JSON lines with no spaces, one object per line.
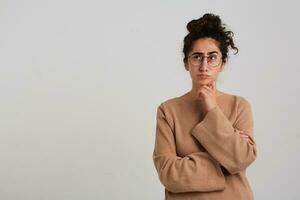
{"x":201,"y":53}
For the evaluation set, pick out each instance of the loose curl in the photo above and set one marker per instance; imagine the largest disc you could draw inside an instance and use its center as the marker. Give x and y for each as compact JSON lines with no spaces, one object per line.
{"x":209,"y":26}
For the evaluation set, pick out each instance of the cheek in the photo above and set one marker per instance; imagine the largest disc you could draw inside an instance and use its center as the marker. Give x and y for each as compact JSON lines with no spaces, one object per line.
{"x":215,"y":74}
{"x":193,"y":72}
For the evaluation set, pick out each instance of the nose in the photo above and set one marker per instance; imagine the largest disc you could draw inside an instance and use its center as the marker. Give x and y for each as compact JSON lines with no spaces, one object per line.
{"x":203,"y":66}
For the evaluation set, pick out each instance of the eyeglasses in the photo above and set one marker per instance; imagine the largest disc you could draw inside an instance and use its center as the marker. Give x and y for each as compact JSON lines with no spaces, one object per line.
{"x":213,"y":60}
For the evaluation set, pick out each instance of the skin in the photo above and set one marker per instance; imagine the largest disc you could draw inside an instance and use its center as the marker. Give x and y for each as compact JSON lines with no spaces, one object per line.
{"x":204,"y":89}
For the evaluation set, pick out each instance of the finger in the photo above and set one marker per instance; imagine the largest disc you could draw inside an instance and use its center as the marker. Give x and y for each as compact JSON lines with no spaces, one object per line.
{"x":203,"y":92}
{"x":200,"y":92}
{"x":211,"y":85}
{"x":244,"y":136}
{"x":207,"y":88}
{"x":211,"y":91}
{"x":206,"y":91}
{"x":204,"y":87}
{"x":244,"y":132}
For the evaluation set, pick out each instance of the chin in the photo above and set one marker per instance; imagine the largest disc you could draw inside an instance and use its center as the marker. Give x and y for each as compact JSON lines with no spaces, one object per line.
{"x":203,"y":82}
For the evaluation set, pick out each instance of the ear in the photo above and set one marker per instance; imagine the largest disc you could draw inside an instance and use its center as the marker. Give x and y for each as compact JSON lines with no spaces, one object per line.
{"x":222,"y":66}
{"x":186,"y":66}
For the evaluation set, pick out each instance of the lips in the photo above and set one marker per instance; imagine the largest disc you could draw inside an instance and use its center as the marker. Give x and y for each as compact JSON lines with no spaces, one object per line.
{"x":203,"y":75}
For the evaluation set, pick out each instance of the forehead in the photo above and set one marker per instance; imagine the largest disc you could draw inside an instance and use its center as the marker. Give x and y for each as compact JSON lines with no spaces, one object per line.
{"x":205,"y":45}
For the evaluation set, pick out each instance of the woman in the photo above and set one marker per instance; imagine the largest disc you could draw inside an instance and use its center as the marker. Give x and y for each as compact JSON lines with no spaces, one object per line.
{"x":204,"y":138}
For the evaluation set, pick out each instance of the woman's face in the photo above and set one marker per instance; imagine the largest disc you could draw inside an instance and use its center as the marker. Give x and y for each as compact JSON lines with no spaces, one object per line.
{"x":207,"y":47}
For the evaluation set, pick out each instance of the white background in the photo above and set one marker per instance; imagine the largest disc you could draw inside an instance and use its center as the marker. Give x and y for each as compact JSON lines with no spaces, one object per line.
{"x":80,"y":82}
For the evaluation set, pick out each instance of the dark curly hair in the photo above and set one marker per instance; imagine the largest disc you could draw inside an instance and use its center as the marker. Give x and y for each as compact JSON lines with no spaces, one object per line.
{"x":209,"y":26}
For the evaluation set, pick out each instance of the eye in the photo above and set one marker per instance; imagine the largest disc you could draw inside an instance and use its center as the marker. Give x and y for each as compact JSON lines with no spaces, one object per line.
{"x":197,"y":57}
{"x":213,"y":57}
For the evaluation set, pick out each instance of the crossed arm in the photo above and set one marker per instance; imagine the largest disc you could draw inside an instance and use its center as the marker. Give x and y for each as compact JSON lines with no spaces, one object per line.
{"x":227,"y":146}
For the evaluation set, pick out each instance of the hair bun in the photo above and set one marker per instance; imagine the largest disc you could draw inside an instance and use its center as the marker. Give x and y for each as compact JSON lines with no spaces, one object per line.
{"x":208,"y":21}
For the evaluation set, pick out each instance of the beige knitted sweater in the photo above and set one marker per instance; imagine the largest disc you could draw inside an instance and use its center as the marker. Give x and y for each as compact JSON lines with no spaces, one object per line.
{"x":203,"y":156}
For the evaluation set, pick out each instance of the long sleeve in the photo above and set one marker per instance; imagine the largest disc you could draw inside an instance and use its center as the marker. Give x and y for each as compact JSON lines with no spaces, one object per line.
{"x":222,"y":140}
{"x":195,"y":172}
